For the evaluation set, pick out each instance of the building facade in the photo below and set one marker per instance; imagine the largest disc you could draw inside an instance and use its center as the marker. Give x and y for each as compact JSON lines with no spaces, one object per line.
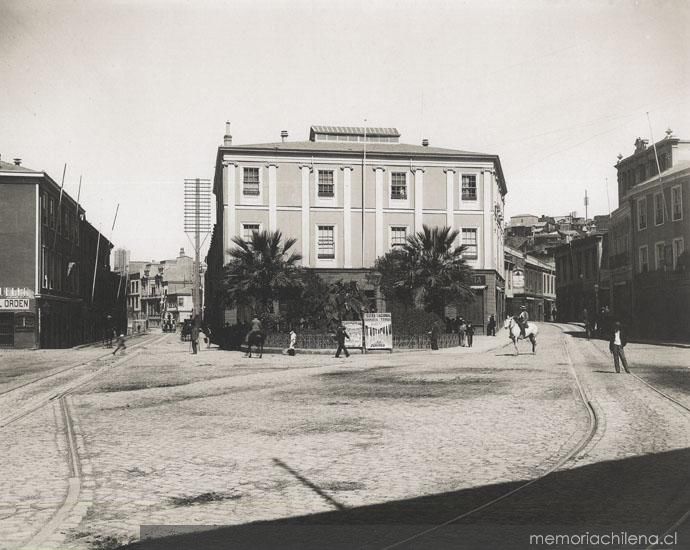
{"x":160,"y":291}
{"x":349,"y":195}
{"x":530,"y":282}
{"x":579,"y":268}
{"x":649,"y":268}
{"x":120,"y":260}
{"x":56,"y":287}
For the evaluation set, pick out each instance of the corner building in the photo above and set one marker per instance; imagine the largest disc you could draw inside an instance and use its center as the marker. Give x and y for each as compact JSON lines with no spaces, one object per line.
{"x":350,"y":194}
{"x":56,"y":287}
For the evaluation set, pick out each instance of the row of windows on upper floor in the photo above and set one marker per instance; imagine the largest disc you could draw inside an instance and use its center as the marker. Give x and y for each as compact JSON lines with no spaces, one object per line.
{"x":58,"y":272}
{"x":61,"y":219}
{"x":326,"y":239}
{"x":641,"y":172}
{"x":325,"y":184}
{"x":536,"y":282}
{"x":661,"y":209}
{"x":577,"y":265}
{"x":665,"y":255}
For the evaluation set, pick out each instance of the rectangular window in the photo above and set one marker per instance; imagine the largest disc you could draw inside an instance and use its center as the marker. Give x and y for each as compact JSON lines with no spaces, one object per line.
{"x":399,"y":186}
{"x":469,"y":241}
{"x":248,"y":229}
{"x":641,"y":214}
{"x":658,"y":208}
{"x":644,"y":259}
{"x":398,"y":236}
{"x":180,"y":301}
{"x":660,"y":249}
{"x":44,"y":268}
{"x":678,"y":249}
{"x":469,"y":187}
{"x":326,"y":242}
{"x":51,"y":212}
{"x":676,"y":203}
{"x":250,"y":182}
{"x":44,"y":210}
{"x":326,"y":185}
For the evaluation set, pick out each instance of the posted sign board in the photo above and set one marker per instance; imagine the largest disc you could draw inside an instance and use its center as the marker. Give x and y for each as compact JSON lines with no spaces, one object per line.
{"x":14,"y":303}
{"x":518,"y":279}
{"x":379,"y":330}
{"x":354,"y":331}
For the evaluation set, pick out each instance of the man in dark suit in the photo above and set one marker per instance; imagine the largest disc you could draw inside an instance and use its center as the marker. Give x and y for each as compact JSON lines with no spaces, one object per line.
{"x":617,"y":342}
{"x":340,"y":336}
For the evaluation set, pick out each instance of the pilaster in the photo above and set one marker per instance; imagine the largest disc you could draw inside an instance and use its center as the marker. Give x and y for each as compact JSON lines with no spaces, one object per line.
{"x":306,"y":177}
{"x":378,"y":207}
{"x":347,"y":216}
{"x":418,"y":198}
{"x":272,"y":199}
{"x":450,"y":177}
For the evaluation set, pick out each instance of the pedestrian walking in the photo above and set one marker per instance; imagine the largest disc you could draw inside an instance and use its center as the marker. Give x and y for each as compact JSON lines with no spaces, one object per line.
{"x":491,"y":326}
{"x":617,"y":342}
{"x":340,"y":336}
{"x":120,"y":344}
{"x":194,"y":336}
{"x":587,"y":323}
{"x":469,"y":331}
{"x":461,"y":332}
{"x":293,"y":343}
{"x":207,"y":337}
{"x":435,"y":333}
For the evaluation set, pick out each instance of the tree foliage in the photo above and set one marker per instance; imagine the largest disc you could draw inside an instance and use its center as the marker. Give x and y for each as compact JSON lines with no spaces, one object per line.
{"x":346,"y":301}
{"x":262,"y":270}
{"x":428,"y":271}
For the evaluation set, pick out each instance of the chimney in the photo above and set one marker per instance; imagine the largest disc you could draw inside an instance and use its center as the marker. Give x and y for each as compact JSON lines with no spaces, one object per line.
{"x":227,"y":138}
{"x":17,"y":162}
{"x":425,"y":142}
{"x":283,"y":135}
{"x":181,"y":252}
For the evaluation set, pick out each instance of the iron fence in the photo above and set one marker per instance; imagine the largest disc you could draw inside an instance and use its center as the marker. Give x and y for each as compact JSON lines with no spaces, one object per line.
{"x":327,"y":341}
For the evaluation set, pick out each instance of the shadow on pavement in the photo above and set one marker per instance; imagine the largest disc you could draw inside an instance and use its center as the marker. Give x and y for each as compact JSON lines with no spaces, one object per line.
{"x":640,"y":495}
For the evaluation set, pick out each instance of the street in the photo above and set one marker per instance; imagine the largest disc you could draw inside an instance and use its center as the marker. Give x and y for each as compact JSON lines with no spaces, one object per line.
{"x":462,"y":448}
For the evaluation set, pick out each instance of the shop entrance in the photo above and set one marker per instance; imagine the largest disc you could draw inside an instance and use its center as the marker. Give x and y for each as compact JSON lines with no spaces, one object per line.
{"x":6,"y":330}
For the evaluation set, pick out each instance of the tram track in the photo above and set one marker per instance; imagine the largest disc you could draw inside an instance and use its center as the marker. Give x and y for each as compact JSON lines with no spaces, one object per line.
{"x":663,"y":395}
{"x":61,"y":399}
{"x":41,"y":400}
{"x":69,"y":368}
{"x":594,"y":423}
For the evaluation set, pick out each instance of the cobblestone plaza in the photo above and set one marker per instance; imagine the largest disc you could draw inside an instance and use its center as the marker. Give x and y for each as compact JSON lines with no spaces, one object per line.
{"x":162,"y":437}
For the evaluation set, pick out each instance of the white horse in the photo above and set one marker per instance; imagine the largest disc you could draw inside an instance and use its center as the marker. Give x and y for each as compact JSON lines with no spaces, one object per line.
{"x":515,"y":334}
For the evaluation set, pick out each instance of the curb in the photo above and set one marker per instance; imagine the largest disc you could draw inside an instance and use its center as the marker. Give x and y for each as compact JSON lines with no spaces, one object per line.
{"x":683,"y":345}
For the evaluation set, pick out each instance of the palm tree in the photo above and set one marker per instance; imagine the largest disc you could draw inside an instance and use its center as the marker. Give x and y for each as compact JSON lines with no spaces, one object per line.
{"x":428,"y":270}
{"x":346,"y":300}
{"x":262,"y":270}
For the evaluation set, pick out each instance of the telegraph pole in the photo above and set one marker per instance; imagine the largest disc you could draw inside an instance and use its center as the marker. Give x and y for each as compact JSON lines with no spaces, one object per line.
{"x":197,"y":223}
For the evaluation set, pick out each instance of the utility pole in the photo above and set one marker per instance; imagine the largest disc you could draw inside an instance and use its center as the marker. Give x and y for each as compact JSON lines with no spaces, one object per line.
{"x":197,"y":222}
{"x":586,"y":206}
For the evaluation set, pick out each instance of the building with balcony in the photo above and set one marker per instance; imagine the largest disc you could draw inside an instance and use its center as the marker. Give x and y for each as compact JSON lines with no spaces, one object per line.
{"x":161,"y":291}
{"x":56,"y":287}
{"x":349,"y":195}
{"x":530,"y":282}
{"x":579,"y":266}
{"x":649,"y":268}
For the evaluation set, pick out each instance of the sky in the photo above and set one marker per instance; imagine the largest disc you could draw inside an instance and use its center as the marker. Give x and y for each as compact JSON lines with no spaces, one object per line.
{"x":133,"y":95}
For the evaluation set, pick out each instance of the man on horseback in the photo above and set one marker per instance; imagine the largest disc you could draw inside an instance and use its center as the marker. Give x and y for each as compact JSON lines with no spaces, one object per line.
{"x":521,"y":320}
{"x":256,"y":328}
